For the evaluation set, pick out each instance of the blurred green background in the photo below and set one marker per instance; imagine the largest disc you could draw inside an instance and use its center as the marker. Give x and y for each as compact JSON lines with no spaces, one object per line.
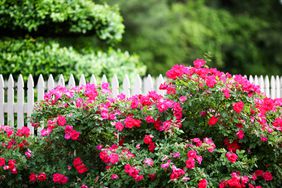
{"x":121,"y":36}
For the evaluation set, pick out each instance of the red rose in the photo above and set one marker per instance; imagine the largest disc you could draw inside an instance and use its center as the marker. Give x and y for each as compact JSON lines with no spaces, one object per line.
{"x":191,"y":154}
{"x":60,"y":178}
{"x":198,"y":63}
{"x":119,"y":126}
{"x":74,"y":135}
{"x":41,"y":177}
{"x":267,"y":176}
{"x":152,"y":147}
{"x":131,"y":122}
{"x":32,"y":177}
{"x":203,"y":183}
{"x":148,"y":139}
{"x":238,"y":107}
{"x":2,"y":161}
{"x":232,"y":157}
{"x":213,"y":120}
{"x":61,"y":120}
{"x":190,"y":163}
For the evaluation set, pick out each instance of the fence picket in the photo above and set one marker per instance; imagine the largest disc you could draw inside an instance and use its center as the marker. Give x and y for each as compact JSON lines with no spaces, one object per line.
{"x":10,"y":102}
{"x":148,"y":84}
{"x":30,"y":100}
{"x":261,"y":83}
{"x":51,"y":83}
{"x":61,"y":81}
{"x":2,"y":95}
{"x":115,"y":86}
{"x":272,"y":85}
{"x":71,"y":82}
{"x":267,"y":86}
{"x":137,"y":87}
{"x":104,"y":79}
{"x":93,"y":80}
{"x":20,"y":102}
{"x":82,"y":80}
{"x":126,"y":86}
{"x":159,"y":81}
{"x":278,"y":87}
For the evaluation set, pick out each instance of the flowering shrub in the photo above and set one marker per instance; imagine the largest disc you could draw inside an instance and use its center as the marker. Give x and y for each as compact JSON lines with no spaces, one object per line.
{"x":209,"y":130}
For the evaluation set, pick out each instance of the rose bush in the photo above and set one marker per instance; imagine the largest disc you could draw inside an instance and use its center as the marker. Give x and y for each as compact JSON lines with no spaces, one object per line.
{"x":211,"y":129}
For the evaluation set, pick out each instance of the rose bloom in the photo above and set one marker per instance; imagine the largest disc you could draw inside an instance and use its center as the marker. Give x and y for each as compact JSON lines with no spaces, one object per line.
{"x":149,"y":161}
{"x":42,"y":177}
{"x":267,"y":176}
{"x":191,"y":154}
{"x":238,"y":107}
{"x":198,"y":63}
{"x":114,"y":176}
{"x":2,"y":161}
{"x":203,"y":183}
{"x":232,"y":157}
{"x":32,"y":177}
{"x":190,"y":163}
{"x":61,"y":120}
{"x":148,"y":139}
{"x":213,"y":120}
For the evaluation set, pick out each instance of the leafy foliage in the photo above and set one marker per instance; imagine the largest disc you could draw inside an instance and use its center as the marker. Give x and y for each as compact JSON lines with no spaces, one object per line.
{"x":53,"y":17}
{"x":240,"y":37}
{"x":36,"y":56}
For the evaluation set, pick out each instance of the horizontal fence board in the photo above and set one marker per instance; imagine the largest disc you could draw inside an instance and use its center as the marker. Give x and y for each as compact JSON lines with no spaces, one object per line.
{"x":18,"y":98}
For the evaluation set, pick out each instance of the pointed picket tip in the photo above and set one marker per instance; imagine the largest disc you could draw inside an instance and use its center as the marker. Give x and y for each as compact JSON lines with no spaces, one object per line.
{"x":2,"y":83}
{"x":20,"y":83}
{"x":71,"y":82}
{"x":50,"y":83}
{"x":40,"y":83}
{"x":61,"y":81}
{"x":115,"y":82}
{"x":30,"y":82}
{"x":11,"y":80}
{"x":104,"y":79}
{"x":93,"y":80}
{"x":82,"y":80}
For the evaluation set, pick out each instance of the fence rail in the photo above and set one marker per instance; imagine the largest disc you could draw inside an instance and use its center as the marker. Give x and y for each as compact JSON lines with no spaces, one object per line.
{"x":15,"y":109}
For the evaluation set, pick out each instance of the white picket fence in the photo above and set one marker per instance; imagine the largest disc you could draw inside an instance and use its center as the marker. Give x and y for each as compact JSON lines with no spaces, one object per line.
{"x":23,"y":106}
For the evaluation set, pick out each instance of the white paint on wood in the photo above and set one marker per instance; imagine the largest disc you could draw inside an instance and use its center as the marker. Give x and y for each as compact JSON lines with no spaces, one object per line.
{"x":71,"y":82}
{"x":93,"y":80}
{"x":137,"y":86}
{"x":104,"y":79}
{"x":82,"y":80}
{"x":20,"y":102}
{"x":267,"y":86}
{"x":2,"y":102}
{"x":30,"y":100}
{"x":41,"y":87}
{"x":51,"y":83}
{"x":126,"y":86}
{"x":272,"y":85}
{"x":10,"y":101}
{"x":277,"y":86}
{"x":159,"y":81}
{"x":115,"y":86}
{"x":61,"y":81}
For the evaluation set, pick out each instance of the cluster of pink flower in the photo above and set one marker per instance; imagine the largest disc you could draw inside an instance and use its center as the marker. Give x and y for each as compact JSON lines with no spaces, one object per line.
{"x":191,"y":156}
{"x":148,"y":140}
{"x":60,"y":178}
{"x":79,"y":165}
{"x":11,"y":166}
{"x":41,"y":177}
{"x":243,"y":181}
{"x":109,"y":156}
{"x":133,"y":172}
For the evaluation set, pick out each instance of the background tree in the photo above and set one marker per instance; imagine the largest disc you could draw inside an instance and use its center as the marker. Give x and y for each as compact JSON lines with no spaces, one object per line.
{"x":240,"y":37}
